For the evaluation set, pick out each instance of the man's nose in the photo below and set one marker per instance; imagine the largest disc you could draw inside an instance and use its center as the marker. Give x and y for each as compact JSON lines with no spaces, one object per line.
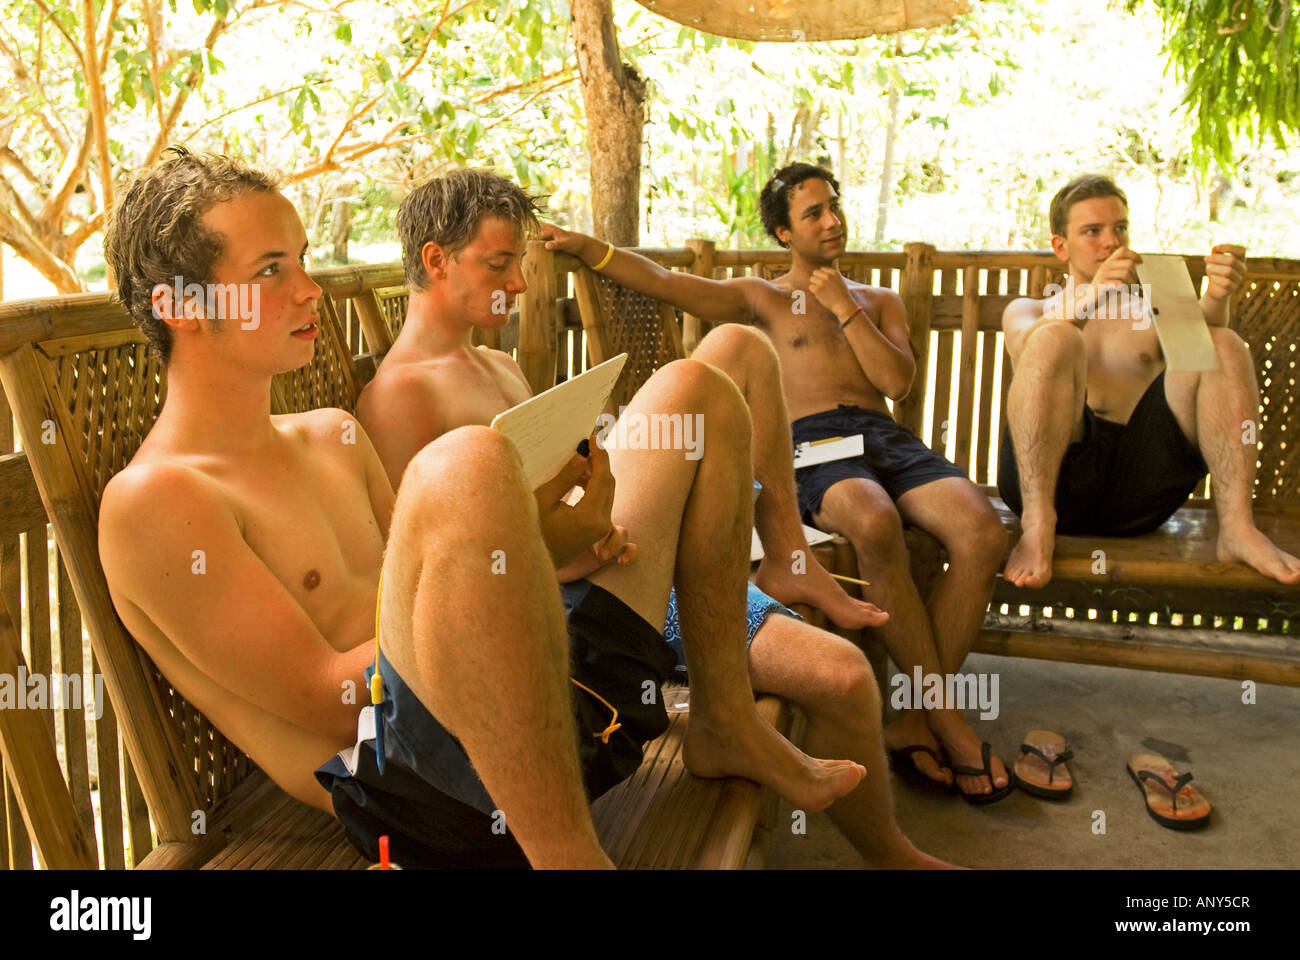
{"x":310,"y":289}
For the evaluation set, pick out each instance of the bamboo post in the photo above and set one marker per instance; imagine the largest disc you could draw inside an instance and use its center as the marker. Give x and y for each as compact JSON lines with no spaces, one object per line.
{"x":917,"y":285}
{"x":537,"y":317}
{"x":33,"y":765}
{"x":701,"y":266}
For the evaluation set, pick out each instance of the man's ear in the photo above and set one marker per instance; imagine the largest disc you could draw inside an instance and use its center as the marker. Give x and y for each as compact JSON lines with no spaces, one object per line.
{"x":179,"y":314}
{"x":783,"y":236}
{"x":434,"y":258}
{"x":1061,"y":248}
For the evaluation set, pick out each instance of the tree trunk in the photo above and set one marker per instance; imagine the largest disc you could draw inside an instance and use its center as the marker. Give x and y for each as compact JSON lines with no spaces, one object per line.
{"x":887,"y":165}
{"x":613,"y":97}
{"x":341,"y":229}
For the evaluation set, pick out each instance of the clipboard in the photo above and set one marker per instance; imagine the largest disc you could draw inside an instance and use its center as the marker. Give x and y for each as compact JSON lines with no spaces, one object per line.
{"x":1175,"y":309}
{"x":546,"y":429}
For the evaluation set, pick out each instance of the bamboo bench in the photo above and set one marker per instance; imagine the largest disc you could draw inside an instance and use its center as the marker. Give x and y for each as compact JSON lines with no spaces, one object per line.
{"x":84,"y":392}
{"x":1158,"y":602}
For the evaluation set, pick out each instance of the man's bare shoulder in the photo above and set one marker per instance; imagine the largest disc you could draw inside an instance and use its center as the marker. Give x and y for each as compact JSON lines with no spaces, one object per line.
{"x":506,"y":363}
{"x":399,"y":390}
{"x":1023,"y":308}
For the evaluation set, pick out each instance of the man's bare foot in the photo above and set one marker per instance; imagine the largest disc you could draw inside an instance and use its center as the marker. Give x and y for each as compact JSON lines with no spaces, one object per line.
{"x":1030,"y":563}
{"x":750,"y":748}
{"x":911,"y":730}
{"x":963,"y":748}
{"x":1247,"y":545}
{"x":817,"y":588}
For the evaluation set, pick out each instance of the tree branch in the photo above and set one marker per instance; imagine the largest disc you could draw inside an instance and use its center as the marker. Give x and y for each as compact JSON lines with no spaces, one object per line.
{"x":30,"y":248}
{"x":178,"y":103}
{"x":65,"y":181}
{"x":49,"y":14}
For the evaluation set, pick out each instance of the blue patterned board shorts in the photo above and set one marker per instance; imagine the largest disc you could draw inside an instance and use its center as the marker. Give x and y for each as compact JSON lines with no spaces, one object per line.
{"x":759,"y":607}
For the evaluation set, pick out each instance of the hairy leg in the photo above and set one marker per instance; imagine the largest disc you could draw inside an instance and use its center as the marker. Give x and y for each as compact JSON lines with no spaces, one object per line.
{"x":1214,"y":408}
{"x":862,"y":512}
{"x":1045,"y":414}
{"x":690,"y":519}
{"x":487,"y":652}
{"x":830,"y":679}
{"x":959,"y":515}
{"x":748,"y":358}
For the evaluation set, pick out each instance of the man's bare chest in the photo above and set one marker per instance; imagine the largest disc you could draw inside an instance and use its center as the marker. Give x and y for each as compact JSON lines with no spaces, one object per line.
{"x":1121,"y":361}
{"x":313,"y":525}
{"x":471,"y":395}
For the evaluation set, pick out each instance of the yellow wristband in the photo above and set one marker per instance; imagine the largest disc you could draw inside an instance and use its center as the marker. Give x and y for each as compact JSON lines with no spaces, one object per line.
{"x":604,"y":261}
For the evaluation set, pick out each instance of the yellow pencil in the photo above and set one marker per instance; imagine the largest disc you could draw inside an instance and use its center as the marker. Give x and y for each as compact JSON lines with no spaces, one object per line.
{"x":840,"y":576}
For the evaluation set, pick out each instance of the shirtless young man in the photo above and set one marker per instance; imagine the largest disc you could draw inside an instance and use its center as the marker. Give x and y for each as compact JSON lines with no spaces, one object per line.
{"x":463,"y":241}
{"x":1092,"y":404}
{"x":843,"y":348}
{"x":244,"y":551}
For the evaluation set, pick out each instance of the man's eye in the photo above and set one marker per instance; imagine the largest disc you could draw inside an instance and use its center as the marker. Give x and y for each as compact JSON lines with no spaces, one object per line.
{"x":270,"y":270}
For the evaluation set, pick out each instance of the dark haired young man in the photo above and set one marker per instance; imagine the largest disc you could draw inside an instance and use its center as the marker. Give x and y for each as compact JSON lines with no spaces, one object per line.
{"x":1101,"y":438}
{"x":843,"y":348}
{"x":244,"y":551}
{"x":462,"y":241}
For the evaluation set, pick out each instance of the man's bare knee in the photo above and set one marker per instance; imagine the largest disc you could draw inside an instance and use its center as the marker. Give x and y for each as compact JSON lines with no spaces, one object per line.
{"x":463,"y":463}
{"x":981,"y":540}
{"x":732,"y":343}
{"x":1234,"y":352}
{"x":1053,"y":344}
{"x":697,"y":387}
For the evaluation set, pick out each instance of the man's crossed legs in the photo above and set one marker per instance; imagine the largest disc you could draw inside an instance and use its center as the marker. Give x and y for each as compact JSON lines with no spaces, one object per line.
{"x":488,"y":653}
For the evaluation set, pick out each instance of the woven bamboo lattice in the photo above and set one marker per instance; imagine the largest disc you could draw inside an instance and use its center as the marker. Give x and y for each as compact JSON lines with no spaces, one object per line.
{"x":88,"y":381}
{"x":392,"y":305}
{"x":1268,"y":321}
{"x":644,"y":328}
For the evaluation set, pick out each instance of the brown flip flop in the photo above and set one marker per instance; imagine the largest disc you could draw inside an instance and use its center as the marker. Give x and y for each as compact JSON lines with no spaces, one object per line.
{"x":1170,"y":800}
{"x":1040,"y":768}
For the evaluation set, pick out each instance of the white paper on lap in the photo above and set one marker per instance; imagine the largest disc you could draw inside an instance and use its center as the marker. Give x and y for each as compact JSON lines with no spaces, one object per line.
{"x":546,"y":429}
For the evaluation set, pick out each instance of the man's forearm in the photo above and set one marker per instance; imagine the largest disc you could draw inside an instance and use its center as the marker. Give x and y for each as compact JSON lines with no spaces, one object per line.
{"x":888,"y":371}
{"x":630,"y":269}
{"x":1215,"y":310}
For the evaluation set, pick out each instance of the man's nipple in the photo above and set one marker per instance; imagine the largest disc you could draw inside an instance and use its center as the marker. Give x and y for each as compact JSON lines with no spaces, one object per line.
{"x":312,"y":580}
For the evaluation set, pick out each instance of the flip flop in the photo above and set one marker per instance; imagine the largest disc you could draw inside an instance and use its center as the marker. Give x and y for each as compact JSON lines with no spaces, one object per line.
{"x":983,"y":799}
{"x":900,"y":761}
{"x":1162,"y":787}
{"x":1044,"y":749}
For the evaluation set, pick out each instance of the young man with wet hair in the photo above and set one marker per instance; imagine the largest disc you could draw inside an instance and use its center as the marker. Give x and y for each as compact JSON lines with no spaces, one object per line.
{"x":843,"y":349}
{"x":1101,"y":437}
{"x":486,"y":721}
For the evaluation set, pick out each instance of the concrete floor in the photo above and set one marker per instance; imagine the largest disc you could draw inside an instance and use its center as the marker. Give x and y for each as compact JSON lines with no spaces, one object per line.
{"x":1244,"y":757}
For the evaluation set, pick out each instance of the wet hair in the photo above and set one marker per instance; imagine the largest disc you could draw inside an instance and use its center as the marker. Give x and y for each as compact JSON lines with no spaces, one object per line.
{"x":774,"y":201}
{"x":1087,"y":187}
{"x":155,"y":233}
{"x":448,"y":210}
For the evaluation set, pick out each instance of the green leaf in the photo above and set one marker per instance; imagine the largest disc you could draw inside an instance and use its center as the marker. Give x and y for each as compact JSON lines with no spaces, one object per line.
{"x":344,"y":32}
{"x":382,"y":69}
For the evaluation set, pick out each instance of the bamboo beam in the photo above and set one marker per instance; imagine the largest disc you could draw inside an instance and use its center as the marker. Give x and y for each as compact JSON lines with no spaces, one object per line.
{"x":537,"y":319}
{"x":33,"y":768}
{"x":917,"y":284}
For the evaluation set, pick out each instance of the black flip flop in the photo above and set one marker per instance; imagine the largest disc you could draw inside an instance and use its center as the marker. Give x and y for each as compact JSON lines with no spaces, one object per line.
{"x":1152,"y":768}
{"x":999,"y":793}
{"x":900,"y":761}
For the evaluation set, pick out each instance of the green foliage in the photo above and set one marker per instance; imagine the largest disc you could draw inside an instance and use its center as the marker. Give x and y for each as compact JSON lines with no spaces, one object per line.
{"x":1236,"y":58}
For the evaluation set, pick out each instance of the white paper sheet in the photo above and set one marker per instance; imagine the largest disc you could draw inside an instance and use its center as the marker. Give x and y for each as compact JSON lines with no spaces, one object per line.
{"x":1176,"y":311}
{"x":546,"y":429}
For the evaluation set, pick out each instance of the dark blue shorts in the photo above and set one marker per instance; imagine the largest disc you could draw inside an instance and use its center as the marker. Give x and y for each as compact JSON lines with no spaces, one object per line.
{"x":892,"y":456}
{"x":1121,"y":479}
{"x":430,"y":802}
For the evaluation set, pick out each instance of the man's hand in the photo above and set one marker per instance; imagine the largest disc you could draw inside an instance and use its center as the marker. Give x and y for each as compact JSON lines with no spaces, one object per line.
{"x":587,"y":527}
{"x":566,"y":241}
{"x":828,"y":286}
{"x":1117,"y":272}
{"x":1226,"y":268}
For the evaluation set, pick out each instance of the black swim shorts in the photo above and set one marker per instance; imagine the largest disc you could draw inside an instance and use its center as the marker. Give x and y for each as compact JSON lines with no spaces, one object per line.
{"x":1120,"y":480}
{"x":892,"y":456}
{"x":430,"y":802}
